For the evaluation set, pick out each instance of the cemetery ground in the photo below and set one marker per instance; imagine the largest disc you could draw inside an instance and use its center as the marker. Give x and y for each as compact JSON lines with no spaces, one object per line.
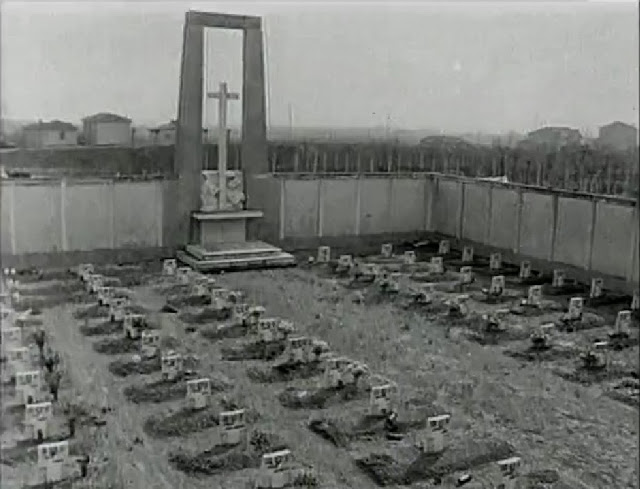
{"x":499,"y":405}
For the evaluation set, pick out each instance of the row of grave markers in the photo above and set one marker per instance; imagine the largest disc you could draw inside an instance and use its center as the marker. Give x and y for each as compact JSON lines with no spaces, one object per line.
{"x":53,"y":457}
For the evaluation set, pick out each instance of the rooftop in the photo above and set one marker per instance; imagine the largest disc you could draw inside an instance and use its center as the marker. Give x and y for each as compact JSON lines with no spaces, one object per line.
{"x":54,"y":125}
{"x":106,"y":117}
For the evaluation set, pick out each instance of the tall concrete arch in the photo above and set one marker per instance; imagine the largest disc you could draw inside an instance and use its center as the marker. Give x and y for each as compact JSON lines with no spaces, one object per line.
{"x":188,"y":158}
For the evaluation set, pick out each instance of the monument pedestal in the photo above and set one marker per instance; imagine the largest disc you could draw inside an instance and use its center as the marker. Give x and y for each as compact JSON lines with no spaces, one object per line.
{"x":221,"y":244}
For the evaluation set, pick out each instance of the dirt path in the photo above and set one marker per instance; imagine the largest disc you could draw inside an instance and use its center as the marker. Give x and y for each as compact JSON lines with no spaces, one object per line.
{"x":138,"y":466}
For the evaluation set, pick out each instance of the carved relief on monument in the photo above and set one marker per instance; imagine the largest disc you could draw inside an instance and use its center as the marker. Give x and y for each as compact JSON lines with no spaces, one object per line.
{"x":210,"y":194}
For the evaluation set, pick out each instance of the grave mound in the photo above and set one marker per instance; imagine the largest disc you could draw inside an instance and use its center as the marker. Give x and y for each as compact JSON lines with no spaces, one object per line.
{"x":101,"y":329}
{"x":204,"y":315}
{"x":256,"y":350}
{"x":116,"y":346}
{"x":224,"y":458}
{"x":166,"y":390}
{"x":285,"y":373}
{"x":295,"y":398}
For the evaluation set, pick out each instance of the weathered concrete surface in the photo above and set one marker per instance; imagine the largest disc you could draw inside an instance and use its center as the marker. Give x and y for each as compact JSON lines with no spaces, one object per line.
{"x":447,"y":207}
{"x":475,"y":217}
{"x":301,"y":207}
{"x":375,"y":206}
{"x":265,"y":193}
{"x":339,"y":206}
{"x":6,"y":212}
{"x":536,"y":228}
{"x":504,"y":218}
{"x":38,"y":218}
{"x":573,"y":232}
{"x":408,"y":209}
{"x":139,"y":228}
{"x":89,"y":216}
{"x":613,"y":237}
{"x":72,"y":258}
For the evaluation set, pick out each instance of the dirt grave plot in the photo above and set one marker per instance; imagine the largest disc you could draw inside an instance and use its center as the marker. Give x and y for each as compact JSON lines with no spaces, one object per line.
{"x":116,"y":346}
{"x":144,"y":366}
{"x":204,"y":315}
{"x":227,"y":458}
{"x":342,"y":431}
{"x":254,"y":350}
{"x":186,"y":420}
{"x":568,"y":290}
{"x":626,"y":391}
{"x":385,"y":470}
{"x":167,"y":390}
{"x":226,"y":331}
{"x":37,"y":303}
{"x":589,"y":376}
{"x":103,"y":328}
{"x":187,"y":300}
{"x":91,"y":311}
{"x":44,"y":275}
{"x":52,"y":289}
{"x":589,"y":321}
{"x":548,"y":353}
{"x":545,"y":307}
{"x":173,"y":289}
{"x":28,"y":322}
{"x":285,"y":372}
{"x":298,"y":398}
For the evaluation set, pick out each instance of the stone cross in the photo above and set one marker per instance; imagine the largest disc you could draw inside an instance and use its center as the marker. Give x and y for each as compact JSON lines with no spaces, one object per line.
{"x":223,"y":97}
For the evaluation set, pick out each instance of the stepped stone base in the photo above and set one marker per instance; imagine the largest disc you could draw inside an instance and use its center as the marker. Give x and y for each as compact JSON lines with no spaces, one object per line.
{"x":234,"y":256}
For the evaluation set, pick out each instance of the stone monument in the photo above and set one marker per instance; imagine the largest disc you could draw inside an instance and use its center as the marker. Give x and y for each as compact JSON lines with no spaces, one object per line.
{"x":213,"y":207}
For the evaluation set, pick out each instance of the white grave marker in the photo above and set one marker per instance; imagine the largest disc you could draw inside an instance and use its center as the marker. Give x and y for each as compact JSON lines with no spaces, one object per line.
{"x":134,"y":324}
{"x":36,"y":420}
{"x":437,"y":264}
{"x":534,"y":295}
{"x":495,"y":261}
{"x":559,"y":278}
{"x":172,"y":364}
{"x":623,"y":322}
{"x":381,"y":398}
{"x":198,"y":393}
{"x":497,"y":285}
{"x":525,"y":269}
{"x":29,"y":386}
{"x":409,"y":257}
{"x":183,"y":274}
{"x":386,"y":250}
{"x":597,"y":284}
{"x":576,"y":306}
{"x":324,"y":254}
{"x":467,"y":254}
{"x":509,"y":472}
{"x":52,"y":459}
{"x":444,"y":247}
{"x":149,"y":343}
{"x":345,"y":262}
{"x":233,"y":427}
{"x":118,"y":309}
{"x":433,"y":437}
{"x":466,"y":275}
{"x":169,"y":267}
{"x":85,"y":270}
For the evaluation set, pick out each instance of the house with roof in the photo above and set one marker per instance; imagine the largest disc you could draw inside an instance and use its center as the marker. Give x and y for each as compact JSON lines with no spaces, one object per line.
{"x":106,"y":128}
{"x":618,"y":136}
{"x":165,"y":134}
{"x":50,"y":134}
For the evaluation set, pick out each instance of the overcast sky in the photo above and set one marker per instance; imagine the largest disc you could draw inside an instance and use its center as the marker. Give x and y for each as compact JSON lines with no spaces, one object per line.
{"x":462,"y":67}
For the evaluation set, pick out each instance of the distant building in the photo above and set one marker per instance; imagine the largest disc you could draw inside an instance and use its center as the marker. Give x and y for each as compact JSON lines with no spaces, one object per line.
{"x":165,"y":134}
{"x":49,"y":134}
{"x":106,"y":129}
{"x":618,"y":136}
{"x":554,"y":137}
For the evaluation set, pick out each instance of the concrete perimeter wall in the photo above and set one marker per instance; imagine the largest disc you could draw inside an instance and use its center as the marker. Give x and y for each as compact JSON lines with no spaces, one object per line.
{"x":584,"y":232}
{"x":67,"y":219}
